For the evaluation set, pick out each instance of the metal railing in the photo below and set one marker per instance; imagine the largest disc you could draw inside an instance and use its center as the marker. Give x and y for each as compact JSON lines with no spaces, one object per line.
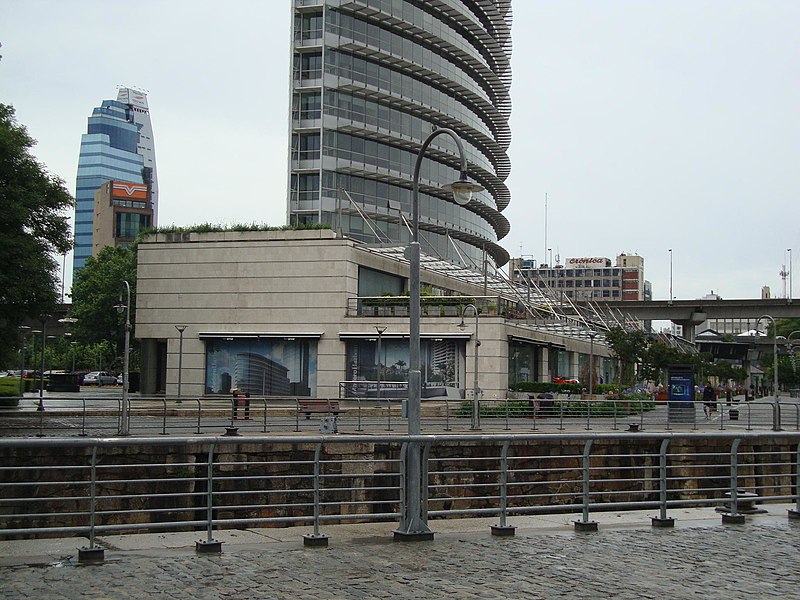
{"x":100,"y":415}
{"x":89,"y":487}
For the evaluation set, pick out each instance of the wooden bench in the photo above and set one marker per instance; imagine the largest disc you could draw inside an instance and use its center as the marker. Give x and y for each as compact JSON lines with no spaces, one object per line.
{"x":311,"y":406}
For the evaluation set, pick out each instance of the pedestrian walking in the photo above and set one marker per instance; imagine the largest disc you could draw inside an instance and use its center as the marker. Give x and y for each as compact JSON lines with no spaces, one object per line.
{"x":240,"y":399}
{"x":709,"y":400}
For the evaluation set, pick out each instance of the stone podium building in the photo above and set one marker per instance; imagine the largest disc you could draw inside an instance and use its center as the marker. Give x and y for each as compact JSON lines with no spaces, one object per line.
{"x":303,"y":313}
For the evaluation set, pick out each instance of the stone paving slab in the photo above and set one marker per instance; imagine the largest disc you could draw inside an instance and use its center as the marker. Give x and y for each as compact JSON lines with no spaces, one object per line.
{"x":625,"y":559}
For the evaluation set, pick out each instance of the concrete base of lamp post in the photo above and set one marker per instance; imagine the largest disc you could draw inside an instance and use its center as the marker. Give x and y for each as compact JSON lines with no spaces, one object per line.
{"x":421,"y":536}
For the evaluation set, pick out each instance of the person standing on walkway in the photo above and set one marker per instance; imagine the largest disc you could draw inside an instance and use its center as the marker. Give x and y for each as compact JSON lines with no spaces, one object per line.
{"x":709,"y":400}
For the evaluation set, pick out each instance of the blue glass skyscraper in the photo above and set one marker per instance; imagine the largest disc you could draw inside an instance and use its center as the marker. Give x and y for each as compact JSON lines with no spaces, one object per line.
{"x":118,"y":145}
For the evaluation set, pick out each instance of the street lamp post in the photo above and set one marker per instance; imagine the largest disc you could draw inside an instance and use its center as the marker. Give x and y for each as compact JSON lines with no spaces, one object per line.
{"x":23,"y":330}
{"x":41,"y":372}
{"x":476,"y":408}
{"x":592,"y":335}
{"x":380,"y":329}
{"x":789,"y":250}
{"x":181,"y":329}
{"x":414,"y":520}
{"x":670,"y":275}
{"x":125,"y":417}
{"x":776,"y":410}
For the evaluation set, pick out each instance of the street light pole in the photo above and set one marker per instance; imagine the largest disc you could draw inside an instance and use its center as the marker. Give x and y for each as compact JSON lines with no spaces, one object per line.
{"x":181,"y":329}
{"x":380,"y":329}
{"x":125,"y":417}
{"x":592,"y":335}
{"x":23,"y":330}
{"x":414,"y":520}
{"x":476,"y":407}
{"x":776,"y":412}
{"x":670,"y":275}
{"x":41,"y":372}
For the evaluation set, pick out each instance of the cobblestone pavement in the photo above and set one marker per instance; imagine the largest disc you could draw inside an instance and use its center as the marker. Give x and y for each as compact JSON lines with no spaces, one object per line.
{"x":756,"y":560}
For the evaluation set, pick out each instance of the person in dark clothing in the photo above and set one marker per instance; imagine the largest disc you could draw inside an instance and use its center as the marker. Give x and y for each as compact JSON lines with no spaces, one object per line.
{"x":709,"y":400}
{"x":243,"y":398}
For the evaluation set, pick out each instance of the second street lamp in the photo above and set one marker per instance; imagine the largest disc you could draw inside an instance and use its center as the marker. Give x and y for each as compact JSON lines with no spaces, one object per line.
{"x":414,"y":520}
{"x":125,"y":417}
{"x":181,"y":329}
{"x":380,"y":329}
{"x":476,"y":390}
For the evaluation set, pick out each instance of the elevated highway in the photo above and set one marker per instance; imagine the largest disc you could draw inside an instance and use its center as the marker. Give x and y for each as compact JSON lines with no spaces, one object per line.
{"x":690,"y":313}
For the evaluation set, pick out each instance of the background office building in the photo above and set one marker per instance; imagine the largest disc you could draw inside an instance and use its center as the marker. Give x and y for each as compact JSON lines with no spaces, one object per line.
{"x":370,"y":81}
{"x":121,"y":211}
{"x":587,"y":278}
{"x":118,"y":146}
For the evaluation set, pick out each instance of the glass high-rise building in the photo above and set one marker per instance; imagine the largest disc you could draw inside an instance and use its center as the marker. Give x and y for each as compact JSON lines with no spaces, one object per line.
{"x":371,"y":79}
{"x":118,"y":146}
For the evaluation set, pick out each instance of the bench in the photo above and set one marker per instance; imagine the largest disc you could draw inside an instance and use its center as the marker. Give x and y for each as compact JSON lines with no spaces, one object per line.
{"x":327,"y":407}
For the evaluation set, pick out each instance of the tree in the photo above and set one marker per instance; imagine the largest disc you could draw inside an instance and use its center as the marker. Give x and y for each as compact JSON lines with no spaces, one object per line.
{"x":33,"y":229}
{"x":96,"y":291}
{"x":629,"y":348}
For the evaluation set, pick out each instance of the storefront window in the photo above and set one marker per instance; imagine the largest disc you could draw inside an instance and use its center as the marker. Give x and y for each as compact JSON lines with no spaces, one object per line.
{"x":264,"y":367}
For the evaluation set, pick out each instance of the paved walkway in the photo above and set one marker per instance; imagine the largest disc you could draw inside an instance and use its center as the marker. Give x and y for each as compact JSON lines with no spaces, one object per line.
{"x":625,"y":559}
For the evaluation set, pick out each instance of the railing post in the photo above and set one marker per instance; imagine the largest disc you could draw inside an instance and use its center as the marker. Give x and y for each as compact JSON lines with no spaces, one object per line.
{"x":425,"y":486}
{"x":776,"y":414}
{"x":92,"y":553}
{"x":588,"y":414}
{"x":199,"y":412}
{"x":83,"y":418}
{"x":264,"y":430}
{"x":446,"y":414}
{"x":296,"y":414}
{"x":795,"y":514}
{"x":614,"y":401}
{"x":403,"y":479}
{"x":164,"y":418}
{"x":666,"y":404}
{"x":585,"y":524}
{"x":388,"y":415}
{"x":507,"y":428}
{"x":662,"y":520}
{"x":503,"y":529}
{"x":734,"y":516}
{"x":316,"y":539}
{"x":358,"y":414}
{"x":560,"y":414}
{"x":209,"y":545}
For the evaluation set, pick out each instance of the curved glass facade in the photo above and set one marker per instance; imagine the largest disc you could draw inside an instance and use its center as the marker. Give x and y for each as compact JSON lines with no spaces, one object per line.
{"x":370,"y":81}
{"x":117,"y":145}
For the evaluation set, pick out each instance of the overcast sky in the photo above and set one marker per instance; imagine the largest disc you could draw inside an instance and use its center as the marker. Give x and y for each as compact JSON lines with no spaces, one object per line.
{"x":649,"y":125}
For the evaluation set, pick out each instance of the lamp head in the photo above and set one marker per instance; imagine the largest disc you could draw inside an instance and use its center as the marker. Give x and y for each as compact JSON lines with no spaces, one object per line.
{"x":462,"y":190}
{"x":120,"y":308}
{"x":462,"y":325}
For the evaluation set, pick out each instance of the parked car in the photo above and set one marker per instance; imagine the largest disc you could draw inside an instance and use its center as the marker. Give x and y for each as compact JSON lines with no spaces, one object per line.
{"x":565,"y":380}
{"x":99,"y":378}
{"x":119,"y":379}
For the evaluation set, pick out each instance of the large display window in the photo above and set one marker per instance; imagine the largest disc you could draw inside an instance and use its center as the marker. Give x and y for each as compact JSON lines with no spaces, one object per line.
{"x":263,"y":367}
